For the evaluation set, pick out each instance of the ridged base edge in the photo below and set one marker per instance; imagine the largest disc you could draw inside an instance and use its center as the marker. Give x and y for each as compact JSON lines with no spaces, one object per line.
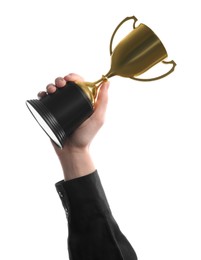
{"x":49,"y":119}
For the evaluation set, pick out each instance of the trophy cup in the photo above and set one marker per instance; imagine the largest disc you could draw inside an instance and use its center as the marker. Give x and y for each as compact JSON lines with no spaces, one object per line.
{"x":61,"y":113}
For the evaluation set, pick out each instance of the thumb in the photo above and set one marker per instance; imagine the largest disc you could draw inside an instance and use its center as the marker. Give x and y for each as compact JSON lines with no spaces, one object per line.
{"x":102,"y":100}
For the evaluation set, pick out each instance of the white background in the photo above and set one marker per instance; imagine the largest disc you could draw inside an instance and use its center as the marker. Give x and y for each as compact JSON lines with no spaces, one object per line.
{"x":148,"y":152}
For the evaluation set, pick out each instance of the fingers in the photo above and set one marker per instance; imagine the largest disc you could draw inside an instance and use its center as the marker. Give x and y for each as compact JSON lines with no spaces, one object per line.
{"x":59,"y":83}
{"x":42,"y":94}
{"x":51,"y":88}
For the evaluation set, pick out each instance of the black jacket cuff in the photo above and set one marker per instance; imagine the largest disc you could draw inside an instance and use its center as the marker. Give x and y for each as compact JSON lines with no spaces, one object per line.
{"x":83,"y":197}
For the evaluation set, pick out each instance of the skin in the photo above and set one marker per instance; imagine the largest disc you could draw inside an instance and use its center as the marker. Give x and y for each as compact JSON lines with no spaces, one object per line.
{"x":75,"y":156}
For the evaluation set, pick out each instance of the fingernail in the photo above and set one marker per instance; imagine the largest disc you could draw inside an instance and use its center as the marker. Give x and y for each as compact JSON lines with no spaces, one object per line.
{"x":50,"y":85}
{"x":59,"y":78}
{"x":41,"y":94}
{"x":51,"y":88}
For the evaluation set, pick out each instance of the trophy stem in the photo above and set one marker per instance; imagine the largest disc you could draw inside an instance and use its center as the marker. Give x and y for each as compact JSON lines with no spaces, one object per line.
{"x":103,"y":78}
{"x":91,"y":88}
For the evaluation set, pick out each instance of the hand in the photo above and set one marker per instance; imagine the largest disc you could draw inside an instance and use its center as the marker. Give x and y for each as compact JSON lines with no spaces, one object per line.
{"x":75,"y":154}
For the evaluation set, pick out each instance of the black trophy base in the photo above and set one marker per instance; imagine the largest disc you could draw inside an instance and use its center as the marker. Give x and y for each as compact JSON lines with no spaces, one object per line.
{"x":59,"y":114}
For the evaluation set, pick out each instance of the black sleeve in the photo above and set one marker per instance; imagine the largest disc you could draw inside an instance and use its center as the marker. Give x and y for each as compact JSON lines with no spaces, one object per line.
{"x":93,"y":233}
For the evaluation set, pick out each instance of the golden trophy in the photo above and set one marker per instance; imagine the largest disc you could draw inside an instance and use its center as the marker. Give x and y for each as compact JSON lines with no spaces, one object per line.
{"x":61,"y":113}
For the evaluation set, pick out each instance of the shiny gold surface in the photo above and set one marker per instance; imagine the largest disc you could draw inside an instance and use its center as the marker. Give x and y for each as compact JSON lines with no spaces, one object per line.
{"x":140,"y":50}
{"x":91,"y":88}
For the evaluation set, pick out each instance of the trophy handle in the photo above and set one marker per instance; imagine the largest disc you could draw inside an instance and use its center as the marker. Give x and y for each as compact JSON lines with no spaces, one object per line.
{"x":117,"y":28}
{"x":162,"y":76}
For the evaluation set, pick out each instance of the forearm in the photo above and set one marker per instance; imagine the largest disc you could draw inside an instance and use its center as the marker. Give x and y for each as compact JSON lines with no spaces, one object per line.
{"x":76,"y":163}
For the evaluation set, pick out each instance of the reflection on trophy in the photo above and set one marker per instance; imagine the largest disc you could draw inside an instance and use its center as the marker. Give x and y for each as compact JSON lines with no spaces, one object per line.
{"x":61,"y":113}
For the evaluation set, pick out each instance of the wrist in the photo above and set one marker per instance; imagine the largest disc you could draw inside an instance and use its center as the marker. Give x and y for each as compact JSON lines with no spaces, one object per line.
{"x":76,"y":162}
